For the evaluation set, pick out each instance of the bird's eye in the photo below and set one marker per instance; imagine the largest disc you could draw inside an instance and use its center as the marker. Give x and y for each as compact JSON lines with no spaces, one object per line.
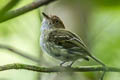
{"x":56,"y":21}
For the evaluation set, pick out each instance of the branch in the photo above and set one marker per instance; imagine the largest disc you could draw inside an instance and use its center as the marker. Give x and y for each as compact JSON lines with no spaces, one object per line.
{"x":19,"y":53}
{"x":24,"y":9}
{"x":57,"y":69}
{"x":9,"y":6}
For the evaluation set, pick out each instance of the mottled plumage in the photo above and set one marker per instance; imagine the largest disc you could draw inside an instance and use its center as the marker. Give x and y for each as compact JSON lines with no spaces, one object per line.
{"x":68,"y":42}
{"x":61,"y":43}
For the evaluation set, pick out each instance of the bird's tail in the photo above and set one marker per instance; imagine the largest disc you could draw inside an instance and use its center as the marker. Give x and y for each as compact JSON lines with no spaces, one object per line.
{"x":97,"y":60}
{"x":100,"y":62}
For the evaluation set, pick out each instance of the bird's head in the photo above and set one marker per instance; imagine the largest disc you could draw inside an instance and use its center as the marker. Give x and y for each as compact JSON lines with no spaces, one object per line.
{"x":52,"y":22}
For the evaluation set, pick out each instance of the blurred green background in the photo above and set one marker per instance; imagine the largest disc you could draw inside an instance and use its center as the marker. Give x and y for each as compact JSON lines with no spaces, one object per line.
{"x":96,"y":21}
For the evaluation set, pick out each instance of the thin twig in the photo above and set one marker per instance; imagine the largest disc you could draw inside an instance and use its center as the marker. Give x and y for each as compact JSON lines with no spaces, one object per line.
{"x":9,"y":6}
{"x":24,"y":9}
{"x":19,"y":53}
{"x":58,"y":69}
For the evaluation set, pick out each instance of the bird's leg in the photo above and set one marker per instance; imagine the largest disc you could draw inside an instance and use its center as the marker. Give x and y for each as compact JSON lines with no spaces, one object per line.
{"x":71,"y":64}
{"x":62,"y":63}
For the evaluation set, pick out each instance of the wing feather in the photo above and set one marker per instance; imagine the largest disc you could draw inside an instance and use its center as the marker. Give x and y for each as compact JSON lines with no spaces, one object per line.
{"x":67,"y":40}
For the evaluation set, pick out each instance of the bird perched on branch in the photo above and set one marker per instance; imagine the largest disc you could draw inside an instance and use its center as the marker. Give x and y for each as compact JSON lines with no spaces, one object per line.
{"x":61,"y":43}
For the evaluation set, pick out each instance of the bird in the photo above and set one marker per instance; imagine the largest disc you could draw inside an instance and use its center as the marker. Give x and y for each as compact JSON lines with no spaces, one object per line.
{"x":61,"y":43}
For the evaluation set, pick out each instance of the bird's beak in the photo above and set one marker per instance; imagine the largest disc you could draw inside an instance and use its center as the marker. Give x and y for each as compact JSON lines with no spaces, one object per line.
{"x":45,"y":15}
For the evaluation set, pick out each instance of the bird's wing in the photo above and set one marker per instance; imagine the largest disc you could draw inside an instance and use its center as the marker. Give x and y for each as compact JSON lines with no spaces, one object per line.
{"x":67,"y":40}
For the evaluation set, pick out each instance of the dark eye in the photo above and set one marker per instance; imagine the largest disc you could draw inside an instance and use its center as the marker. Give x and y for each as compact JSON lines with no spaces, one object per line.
{"x":56,"y":21}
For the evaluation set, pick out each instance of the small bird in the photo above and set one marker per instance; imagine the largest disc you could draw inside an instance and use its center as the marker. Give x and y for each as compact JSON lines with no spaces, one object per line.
{"x":61,"y":43}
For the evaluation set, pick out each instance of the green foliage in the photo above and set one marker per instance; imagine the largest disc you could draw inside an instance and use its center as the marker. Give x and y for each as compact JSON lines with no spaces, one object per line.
{"x":107,"y":2}
{"x":105,"y":38}
{"x":21,"y":33}
{"x":8,"y":6}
